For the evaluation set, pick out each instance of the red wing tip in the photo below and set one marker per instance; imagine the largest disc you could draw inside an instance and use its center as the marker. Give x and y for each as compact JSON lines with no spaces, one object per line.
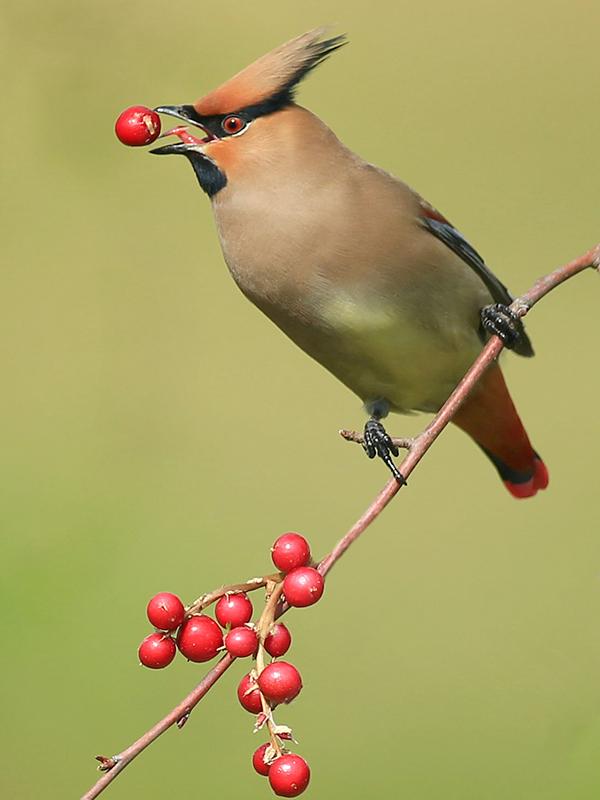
{"x":538,"y":481}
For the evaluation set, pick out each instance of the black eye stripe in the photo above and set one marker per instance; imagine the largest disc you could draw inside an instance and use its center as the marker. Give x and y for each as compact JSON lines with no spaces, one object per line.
{"x":214,"y":123}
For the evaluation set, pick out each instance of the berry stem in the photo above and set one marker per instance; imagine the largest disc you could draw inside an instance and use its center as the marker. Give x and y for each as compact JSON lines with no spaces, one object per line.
{"x":208,"y":598}
{"x":265,"y":622}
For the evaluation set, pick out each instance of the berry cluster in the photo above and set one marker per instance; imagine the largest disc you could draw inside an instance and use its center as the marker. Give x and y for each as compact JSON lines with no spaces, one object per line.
{"x":199,"y":637}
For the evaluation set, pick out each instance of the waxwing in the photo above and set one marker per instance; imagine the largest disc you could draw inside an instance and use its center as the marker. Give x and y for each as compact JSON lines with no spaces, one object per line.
{"x":352,"y":264}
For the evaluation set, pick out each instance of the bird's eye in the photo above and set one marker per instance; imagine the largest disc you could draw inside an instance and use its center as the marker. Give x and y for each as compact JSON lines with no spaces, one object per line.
{"x":233,"y":124}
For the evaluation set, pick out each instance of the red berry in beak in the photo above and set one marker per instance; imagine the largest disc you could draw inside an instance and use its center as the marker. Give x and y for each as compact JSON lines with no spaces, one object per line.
{"x":137,"y":126}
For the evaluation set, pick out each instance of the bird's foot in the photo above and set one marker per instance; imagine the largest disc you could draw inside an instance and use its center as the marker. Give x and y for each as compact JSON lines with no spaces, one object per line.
{"x":502,"y":321}
{"x":377,"y":442}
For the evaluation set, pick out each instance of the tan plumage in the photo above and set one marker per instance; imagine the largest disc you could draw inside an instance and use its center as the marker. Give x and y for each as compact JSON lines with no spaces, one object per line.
{"x":350,"y":262}
{"x":303,"y":263}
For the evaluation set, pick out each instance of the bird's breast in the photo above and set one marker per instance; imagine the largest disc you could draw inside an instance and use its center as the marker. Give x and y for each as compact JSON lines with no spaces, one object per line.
{"x":402,"y":344}
{"x":379,"y":302}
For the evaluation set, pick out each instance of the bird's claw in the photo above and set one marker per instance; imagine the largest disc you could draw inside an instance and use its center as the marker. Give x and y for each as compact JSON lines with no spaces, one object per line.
{"x":501,"y":320}
{"x":377,"y":442}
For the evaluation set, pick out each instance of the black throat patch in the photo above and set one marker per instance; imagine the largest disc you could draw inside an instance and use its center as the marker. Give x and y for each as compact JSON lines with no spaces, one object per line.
{"x":210,"y":177}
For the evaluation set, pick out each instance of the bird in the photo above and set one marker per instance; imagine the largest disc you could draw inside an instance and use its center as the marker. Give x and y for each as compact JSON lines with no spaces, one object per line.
{"x":350,"y":262}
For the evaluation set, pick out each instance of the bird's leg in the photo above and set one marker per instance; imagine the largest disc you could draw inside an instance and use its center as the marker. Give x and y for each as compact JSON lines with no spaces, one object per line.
{"x":503,"y":322}
{"x":377,"y":442}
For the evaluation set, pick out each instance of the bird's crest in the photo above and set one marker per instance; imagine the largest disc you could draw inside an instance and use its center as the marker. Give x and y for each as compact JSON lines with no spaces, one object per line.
{"x":272,"y":77}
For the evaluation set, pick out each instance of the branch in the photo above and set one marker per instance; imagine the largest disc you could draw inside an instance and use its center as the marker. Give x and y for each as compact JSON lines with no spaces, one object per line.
{"x":416,"y":450}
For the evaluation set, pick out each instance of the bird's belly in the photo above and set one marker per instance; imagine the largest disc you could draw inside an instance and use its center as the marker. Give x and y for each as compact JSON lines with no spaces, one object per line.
{"x":384,"y":352}
{"x":407,"y":336}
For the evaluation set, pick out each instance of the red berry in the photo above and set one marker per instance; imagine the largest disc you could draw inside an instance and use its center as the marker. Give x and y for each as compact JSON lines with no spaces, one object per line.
{"x":280,"y":682}
{"x":137,"y":126}
{"x":249,"y":695}
{"x":278,"y":641}
{"x":233,"y":610}
{"x":290,"y":551}
{"x":241,"y":642}
{"x":157,"y":651}
{"x":165,"y":611}
{"x":199,"y":638}
{"x":289,"y":775}
{"x":258,"y":760}
{"x":303,"y":587}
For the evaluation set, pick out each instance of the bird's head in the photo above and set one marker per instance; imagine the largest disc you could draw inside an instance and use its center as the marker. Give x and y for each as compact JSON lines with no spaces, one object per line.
{"x":237,"y":119}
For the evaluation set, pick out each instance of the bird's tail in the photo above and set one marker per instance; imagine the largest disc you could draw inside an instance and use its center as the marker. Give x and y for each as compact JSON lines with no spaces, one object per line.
{"x":490,"y":418}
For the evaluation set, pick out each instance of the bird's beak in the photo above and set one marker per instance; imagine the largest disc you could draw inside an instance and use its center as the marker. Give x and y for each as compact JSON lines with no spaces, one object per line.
{"x":188,"y":141}
{"x":177,"y":148}
{"x":186,"y":113}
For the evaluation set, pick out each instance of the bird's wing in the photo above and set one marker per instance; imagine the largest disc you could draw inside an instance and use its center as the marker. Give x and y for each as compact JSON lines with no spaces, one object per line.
{"x":442,"y":229}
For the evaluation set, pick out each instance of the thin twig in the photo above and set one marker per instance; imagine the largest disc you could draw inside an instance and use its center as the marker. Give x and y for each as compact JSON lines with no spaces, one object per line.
{"x":418,"y":448}
{"x":209,"y":598}
{"x":121,"y":760}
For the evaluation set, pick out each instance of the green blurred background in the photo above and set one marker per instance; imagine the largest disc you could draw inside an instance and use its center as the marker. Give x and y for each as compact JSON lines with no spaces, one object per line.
{"x":159,"y":433}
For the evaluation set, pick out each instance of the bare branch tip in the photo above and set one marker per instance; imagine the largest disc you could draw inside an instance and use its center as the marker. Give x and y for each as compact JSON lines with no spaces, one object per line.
{"x":351,"y":436}
{"x":106,"y":764}
{"x":403,"y":442}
